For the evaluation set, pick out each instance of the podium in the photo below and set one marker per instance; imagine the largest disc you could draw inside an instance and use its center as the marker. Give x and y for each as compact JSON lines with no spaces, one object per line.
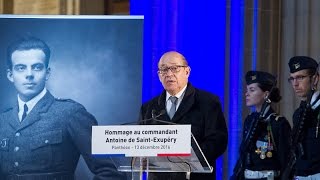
{"x":140,"y":149}
{"x":195,"y":163}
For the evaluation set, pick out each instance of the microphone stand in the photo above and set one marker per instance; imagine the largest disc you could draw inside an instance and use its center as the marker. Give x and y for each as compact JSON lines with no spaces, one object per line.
{"x":144,"y":161}
{"x":154,"y":118}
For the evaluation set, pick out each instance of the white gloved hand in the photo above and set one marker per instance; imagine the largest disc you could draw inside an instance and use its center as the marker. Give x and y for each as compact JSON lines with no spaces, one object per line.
{"x":315,"y":100}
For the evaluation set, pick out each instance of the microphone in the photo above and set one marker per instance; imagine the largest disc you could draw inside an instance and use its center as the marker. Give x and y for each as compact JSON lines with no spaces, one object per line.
{"x":153,"y":113}
{"x":154,"y":116}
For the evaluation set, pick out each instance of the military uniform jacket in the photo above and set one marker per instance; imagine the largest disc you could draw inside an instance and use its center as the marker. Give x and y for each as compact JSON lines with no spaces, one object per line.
{"x":281,"y":131}
{"x":309,"y":162}
{"x":203,"y":111}
{"x":50,"y":139}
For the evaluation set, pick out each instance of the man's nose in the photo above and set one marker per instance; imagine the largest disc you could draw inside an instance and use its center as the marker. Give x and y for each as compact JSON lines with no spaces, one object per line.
{"x":295,"y":82}
{"x":169,"y":73}
{"x":29,"y":73}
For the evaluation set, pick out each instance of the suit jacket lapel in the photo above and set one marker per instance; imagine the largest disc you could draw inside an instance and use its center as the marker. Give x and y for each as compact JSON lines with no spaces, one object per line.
{"x":185,"y":105}
{"x":14,"y":119}
{"x":162,"y":106}
{"x":41,"y":107}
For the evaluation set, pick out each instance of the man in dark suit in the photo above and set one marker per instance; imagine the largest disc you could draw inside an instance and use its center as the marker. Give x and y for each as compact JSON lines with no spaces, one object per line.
{"x":186,"y":104}
{"x":42,"y":137}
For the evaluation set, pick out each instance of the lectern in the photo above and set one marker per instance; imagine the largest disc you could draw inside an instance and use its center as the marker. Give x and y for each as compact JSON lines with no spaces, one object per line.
{"x":141,"y":166}
{"x":141,"y":149}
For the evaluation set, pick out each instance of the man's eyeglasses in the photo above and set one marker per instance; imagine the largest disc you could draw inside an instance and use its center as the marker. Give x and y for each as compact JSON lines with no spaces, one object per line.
{"x":173,"y":69}
{"x":298,"y":78}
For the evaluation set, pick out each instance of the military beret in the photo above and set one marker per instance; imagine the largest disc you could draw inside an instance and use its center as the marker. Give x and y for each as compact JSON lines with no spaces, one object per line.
{"x":260,"y":77}
{"x":298,"y":63}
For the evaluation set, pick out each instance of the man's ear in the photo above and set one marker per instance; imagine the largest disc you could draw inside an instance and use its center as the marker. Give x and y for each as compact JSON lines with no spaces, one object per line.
{"x":48,"y":73}
{"x":315,"y":81}
{"x":9,"y":75}
{"x":188,"y":71}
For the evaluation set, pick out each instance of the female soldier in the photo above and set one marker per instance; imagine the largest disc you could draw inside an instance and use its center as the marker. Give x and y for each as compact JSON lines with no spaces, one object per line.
{"x":266,"y":135}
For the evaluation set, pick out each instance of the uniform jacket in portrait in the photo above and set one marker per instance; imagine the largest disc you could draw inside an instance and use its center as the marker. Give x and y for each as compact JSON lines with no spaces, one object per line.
{"x":50,"y":139}
{"x":203,"y":111}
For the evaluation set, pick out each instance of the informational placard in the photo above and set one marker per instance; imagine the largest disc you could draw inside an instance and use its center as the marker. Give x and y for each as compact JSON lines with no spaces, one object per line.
{"x":142,"y":140}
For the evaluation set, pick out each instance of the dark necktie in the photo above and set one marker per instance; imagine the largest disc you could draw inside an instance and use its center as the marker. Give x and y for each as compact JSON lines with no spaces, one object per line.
{"x":174,"y":101}
{"x":25,"y":110}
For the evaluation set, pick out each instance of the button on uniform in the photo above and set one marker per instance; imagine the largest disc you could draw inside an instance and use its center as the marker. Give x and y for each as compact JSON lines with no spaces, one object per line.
{"x":17,"y":134}
{"x":16,"y":149}
{"x":46,"y":141}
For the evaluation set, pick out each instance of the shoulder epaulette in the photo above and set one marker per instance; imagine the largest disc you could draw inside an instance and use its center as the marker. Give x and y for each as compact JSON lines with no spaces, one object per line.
{"x":64,"y":100}
{"x":272,"y":114}
{"x":277,"y":116}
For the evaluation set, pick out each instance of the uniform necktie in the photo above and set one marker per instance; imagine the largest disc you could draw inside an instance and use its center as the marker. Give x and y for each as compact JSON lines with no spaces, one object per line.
{"x":25,"y":110}
{"x":174,"y":101}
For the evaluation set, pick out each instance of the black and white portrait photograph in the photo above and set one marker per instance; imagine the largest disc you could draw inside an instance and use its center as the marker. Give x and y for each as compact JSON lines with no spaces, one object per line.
{"x":61,"y":75}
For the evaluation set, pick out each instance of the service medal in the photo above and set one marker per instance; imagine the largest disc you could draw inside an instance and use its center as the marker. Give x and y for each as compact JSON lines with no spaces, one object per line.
{"x":269,"y":154}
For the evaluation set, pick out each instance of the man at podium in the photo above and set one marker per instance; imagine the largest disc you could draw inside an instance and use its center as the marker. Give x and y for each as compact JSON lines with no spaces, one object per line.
{"x":185,"y":104}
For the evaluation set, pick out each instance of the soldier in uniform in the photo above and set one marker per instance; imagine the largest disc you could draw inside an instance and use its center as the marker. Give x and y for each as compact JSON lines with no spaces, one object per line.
{"x":267,"y":152}
{"x":304,"y":79}
{"x":42,"y":137}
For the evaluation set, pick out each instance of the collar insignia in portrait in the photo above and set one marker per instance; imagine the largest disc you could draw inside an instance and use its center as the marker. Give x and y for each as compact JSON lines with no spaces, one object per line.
{"x":4,"y":143}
